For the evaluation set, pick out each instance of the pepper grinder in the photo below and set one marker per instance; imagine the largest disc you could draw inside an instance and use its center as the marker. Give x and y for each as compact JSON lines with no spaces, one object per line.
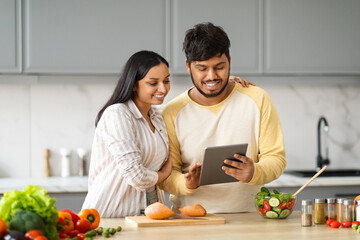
{"x":82,"y":163}
{"x":46,"y":170}
{"x":65,"y":162}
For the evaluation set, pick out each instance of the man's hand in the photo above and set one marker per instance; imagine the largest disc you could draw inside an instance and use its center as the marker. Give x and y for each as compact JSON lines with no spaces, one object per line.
{"x":242,"y":81}
{"x":192,"y":178}
{"x":242,"y":171}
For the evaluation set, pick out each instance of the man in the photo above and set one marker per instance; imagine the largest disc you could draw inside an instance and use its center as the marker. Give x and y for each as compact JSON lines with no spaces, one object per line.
{"x":214,"y":112}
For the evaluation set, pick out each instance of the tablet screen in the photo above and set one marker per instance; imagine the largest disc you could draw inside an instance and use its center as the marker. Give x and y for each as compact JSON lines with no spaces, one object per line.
{"x":211,"y":172}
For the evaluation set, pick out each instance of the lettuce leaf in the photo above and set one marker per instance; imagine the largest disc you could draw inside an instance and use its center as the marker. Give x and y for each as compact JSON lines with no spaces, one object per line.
{"x":34,"y":199}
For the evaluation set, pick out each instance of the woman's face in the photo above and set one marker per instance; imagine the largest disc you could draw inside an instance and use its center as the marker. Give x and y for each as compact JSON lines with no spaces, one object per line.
{"x":152,"y":89}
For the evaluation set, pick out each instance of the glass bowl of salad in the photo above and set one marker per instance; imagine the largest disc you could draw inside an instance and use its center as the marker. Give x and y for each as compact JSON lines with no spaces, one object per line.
{"x":275,"y":205}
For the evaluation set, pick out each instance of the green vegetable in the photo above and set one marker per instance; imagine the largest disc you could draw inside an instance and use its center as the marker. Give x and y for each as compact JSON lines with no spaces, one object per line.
{"x":274,"y":202}
{"x":272,"y":214}
{"x":99,"y":230}
{"x":112,"y":231}
{"x":33,"y":199}
{"x":91,"y":233}
{"x":118,"y":229}
{"x":24,"y":221}
{"x":284,"y":213}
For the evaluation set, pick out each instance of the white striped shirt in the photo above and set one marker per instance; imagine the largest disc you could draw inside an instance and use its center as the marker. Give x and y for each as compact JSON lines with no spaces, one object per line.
{"x":123,"y":160}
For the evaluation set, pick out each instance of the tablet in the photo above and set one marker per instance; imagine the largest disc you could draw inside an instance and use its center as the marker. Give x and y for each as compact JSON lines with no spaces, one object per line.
{"x":211,"y":172}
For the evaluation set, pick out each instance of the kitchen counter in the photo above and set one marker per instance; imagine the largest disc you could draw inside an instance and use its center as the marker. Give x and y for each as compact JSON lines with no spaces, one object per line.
{"x":237,"y":226}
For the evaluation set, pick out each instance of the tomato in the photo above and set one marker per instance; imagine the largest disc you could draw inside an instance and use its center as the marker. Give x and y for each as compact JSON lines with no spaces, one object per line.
{"x":266,"y":206}
{"x":329,"y":221}
{"x":32,"y":234}
{"x":346,"y":224}
{"x":3,"y":228}
{"x":262,"y":211}
{"x":40,"y":237}
{"x":291,"y":204}
{"x":282,"y":205}
{"x":335,"y":224}
{"x":356,"y":222}
{"x":83,"y":225}
{"x":81,"y":236}
{"x":73,"y":233}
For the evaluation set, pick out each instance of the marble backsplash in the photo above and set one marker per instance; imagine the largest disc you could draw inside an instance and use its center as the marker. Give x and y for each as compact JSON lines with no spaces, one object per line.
{"x":54,"y":112}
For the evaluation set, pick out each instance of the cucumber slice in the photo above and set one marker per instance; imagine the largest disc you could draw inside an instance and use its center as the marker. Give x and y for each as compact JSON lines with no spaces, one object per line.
{"x":271,"y":214}
{"x":284,"y":213}
{"x":274,"y":202}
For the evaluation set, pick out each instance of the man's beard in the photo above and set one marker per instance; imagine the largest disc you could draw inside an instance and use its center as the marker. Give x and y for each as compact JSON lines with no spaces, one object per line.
{"x":210,"y":95}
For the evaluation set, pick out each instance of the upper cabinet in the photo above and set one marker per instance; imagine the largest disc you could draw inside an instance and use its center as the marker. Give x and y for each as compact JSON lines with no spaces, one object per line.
{"x":312,"y":36}
{"x":10,"y":32}
{"x":90,"y":36}
{"x":241,"y":20}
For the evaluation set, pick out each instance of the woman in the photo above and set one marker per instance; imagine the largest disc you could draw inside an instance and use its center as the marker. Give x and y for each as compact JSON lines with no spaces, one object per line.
{"x":130,"y":149}
{"x":130,"y":152}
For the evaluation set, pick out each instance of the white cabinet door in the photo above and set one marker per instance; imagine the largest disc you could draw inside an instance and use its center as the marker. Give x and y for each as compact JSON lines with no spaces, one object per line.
{"x":241,"y":20}
{"x":90,"y":36}
{"x":10,"y":36}
{"x":312,"y":36}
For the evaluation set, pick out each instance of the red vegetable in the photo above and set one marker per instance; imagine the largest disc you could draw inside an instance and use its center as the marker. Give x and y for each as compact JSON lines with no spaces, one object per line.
{"x":282,"y":205}
{"x":32,"y":234}
{"x":73,"y":233}
{"x":346,"y":224}
{"x":335,"y":224}
{"x":262,"y":211}
{"x":266,"y":206}
{"x":74,"y":216}
{"x":83,"y":225}
{"x":329,"y":221}
{"x":356,"y":222}
{"x":291,"y":204}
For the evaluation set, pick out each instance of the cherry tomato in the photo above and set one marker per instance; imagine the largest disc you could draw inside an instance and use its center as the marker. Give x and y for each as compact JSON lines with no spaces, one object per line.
{"x":83,"y":225}
{"x":346,"y":224}
{"x":335,"y":224}
{"x":282,"y":205}
{"x":32,"y":234}
{"x":266,"y":206}
{"x":329,"y":221}
{"x":40,"y":237}
{"x":81,"y":236}
{"x":291,"y":204}
{"x":73,"y":233}
{"x":262,"y":211}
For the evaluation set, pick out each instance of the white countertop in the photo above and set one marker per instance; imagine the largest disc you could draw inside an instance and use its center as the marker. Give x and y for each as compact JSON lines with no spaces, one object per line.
{"x":80,"y":184}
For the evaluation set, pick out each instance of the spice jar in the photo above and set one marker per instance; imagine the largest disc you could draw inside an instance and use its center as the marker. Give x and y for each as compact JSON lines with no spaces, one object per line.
{"x":306,"y":213}
{"x":319,"y":211}
{"x":347,"y":210}
{"x":339,"y":206}
{"x":357,"y":210}
{"x":330,"y":211}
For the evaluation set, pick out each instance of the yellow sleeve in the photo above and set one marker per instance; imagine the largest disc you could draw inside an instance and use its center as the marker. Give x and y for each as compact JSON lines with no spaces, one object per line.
{"x":271,"y":154}
{"x":175,"y":183}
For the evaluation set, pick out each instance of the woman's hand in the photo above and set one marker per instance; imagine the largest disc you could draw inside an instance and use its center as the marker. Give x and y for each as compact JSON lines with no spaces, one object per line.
{"x":165,"y":170}
{"x":242,"y":81}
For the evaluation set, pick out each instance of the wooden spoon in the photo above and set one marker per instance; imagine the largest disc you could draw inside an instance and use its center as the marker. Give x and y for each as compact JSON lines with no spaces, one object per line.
{"x":311,"y":179}
{"x":46,"y":169}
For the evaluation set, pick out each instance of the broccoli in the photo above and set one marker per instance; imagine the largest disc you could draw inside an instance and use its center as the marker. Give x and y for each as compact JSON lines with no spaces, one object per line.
{"x":24,"y":221}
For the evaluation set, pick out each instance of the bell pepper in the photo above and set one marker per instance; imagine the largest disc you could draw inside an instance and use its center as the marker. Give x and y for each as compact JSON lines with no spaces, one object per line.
{"x":66,"y":221}
{"x":92,"y":215}
{"x":74,"y":216}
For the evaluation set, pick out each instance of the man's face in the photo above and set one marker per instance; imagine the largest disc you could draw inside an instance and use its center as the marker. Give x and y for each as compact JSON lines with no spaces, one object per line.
{"x":210,"y":77}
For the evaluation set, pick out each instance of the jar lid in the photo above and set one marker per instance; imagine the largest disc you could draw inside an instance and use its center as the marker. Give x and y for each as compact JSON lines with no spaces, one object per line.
{"x":348,"y":202}
{"x":331,"y":200}
{"x":340,"y":200}
{"x":306,"y":202}
{"x":319,"y":200}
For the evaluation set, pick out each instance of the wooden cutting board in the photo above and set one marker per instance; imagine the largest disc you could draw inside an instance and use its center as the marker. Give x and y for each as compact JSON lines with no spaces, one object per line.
{"x":143,"y":221}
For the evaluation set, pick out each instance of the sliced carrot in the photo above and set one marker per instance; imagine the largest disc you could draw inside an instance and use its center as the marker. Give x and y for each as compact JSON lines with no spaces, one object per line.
{"x":158,"y":211}
{"x":193,"y":211}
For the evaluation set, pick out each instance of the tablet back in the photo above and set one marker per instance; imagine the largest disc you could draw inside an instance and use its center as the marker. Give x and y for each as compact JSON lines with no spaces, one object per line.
{"x":211,"y":172}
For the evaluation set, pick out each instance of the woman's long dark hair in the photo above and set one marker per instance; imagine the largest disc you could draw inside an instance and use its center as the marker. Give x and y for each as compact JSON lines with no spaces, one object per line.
{"x":134,"y":70}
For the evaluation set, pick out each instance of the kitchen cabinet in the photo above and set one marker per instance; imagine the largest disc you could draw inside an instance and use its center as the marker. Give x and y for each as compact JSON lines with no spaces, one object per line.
{"x":241,"y":20}
{"x":312,"y":36}
{"x":90,"y":36}
{"x":10,"y":32}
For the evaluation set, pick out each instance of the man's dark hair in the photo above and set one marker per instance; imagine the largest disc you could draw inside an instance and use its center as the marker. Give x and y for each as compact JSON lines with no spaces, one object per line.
{"x":205,"y":41}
